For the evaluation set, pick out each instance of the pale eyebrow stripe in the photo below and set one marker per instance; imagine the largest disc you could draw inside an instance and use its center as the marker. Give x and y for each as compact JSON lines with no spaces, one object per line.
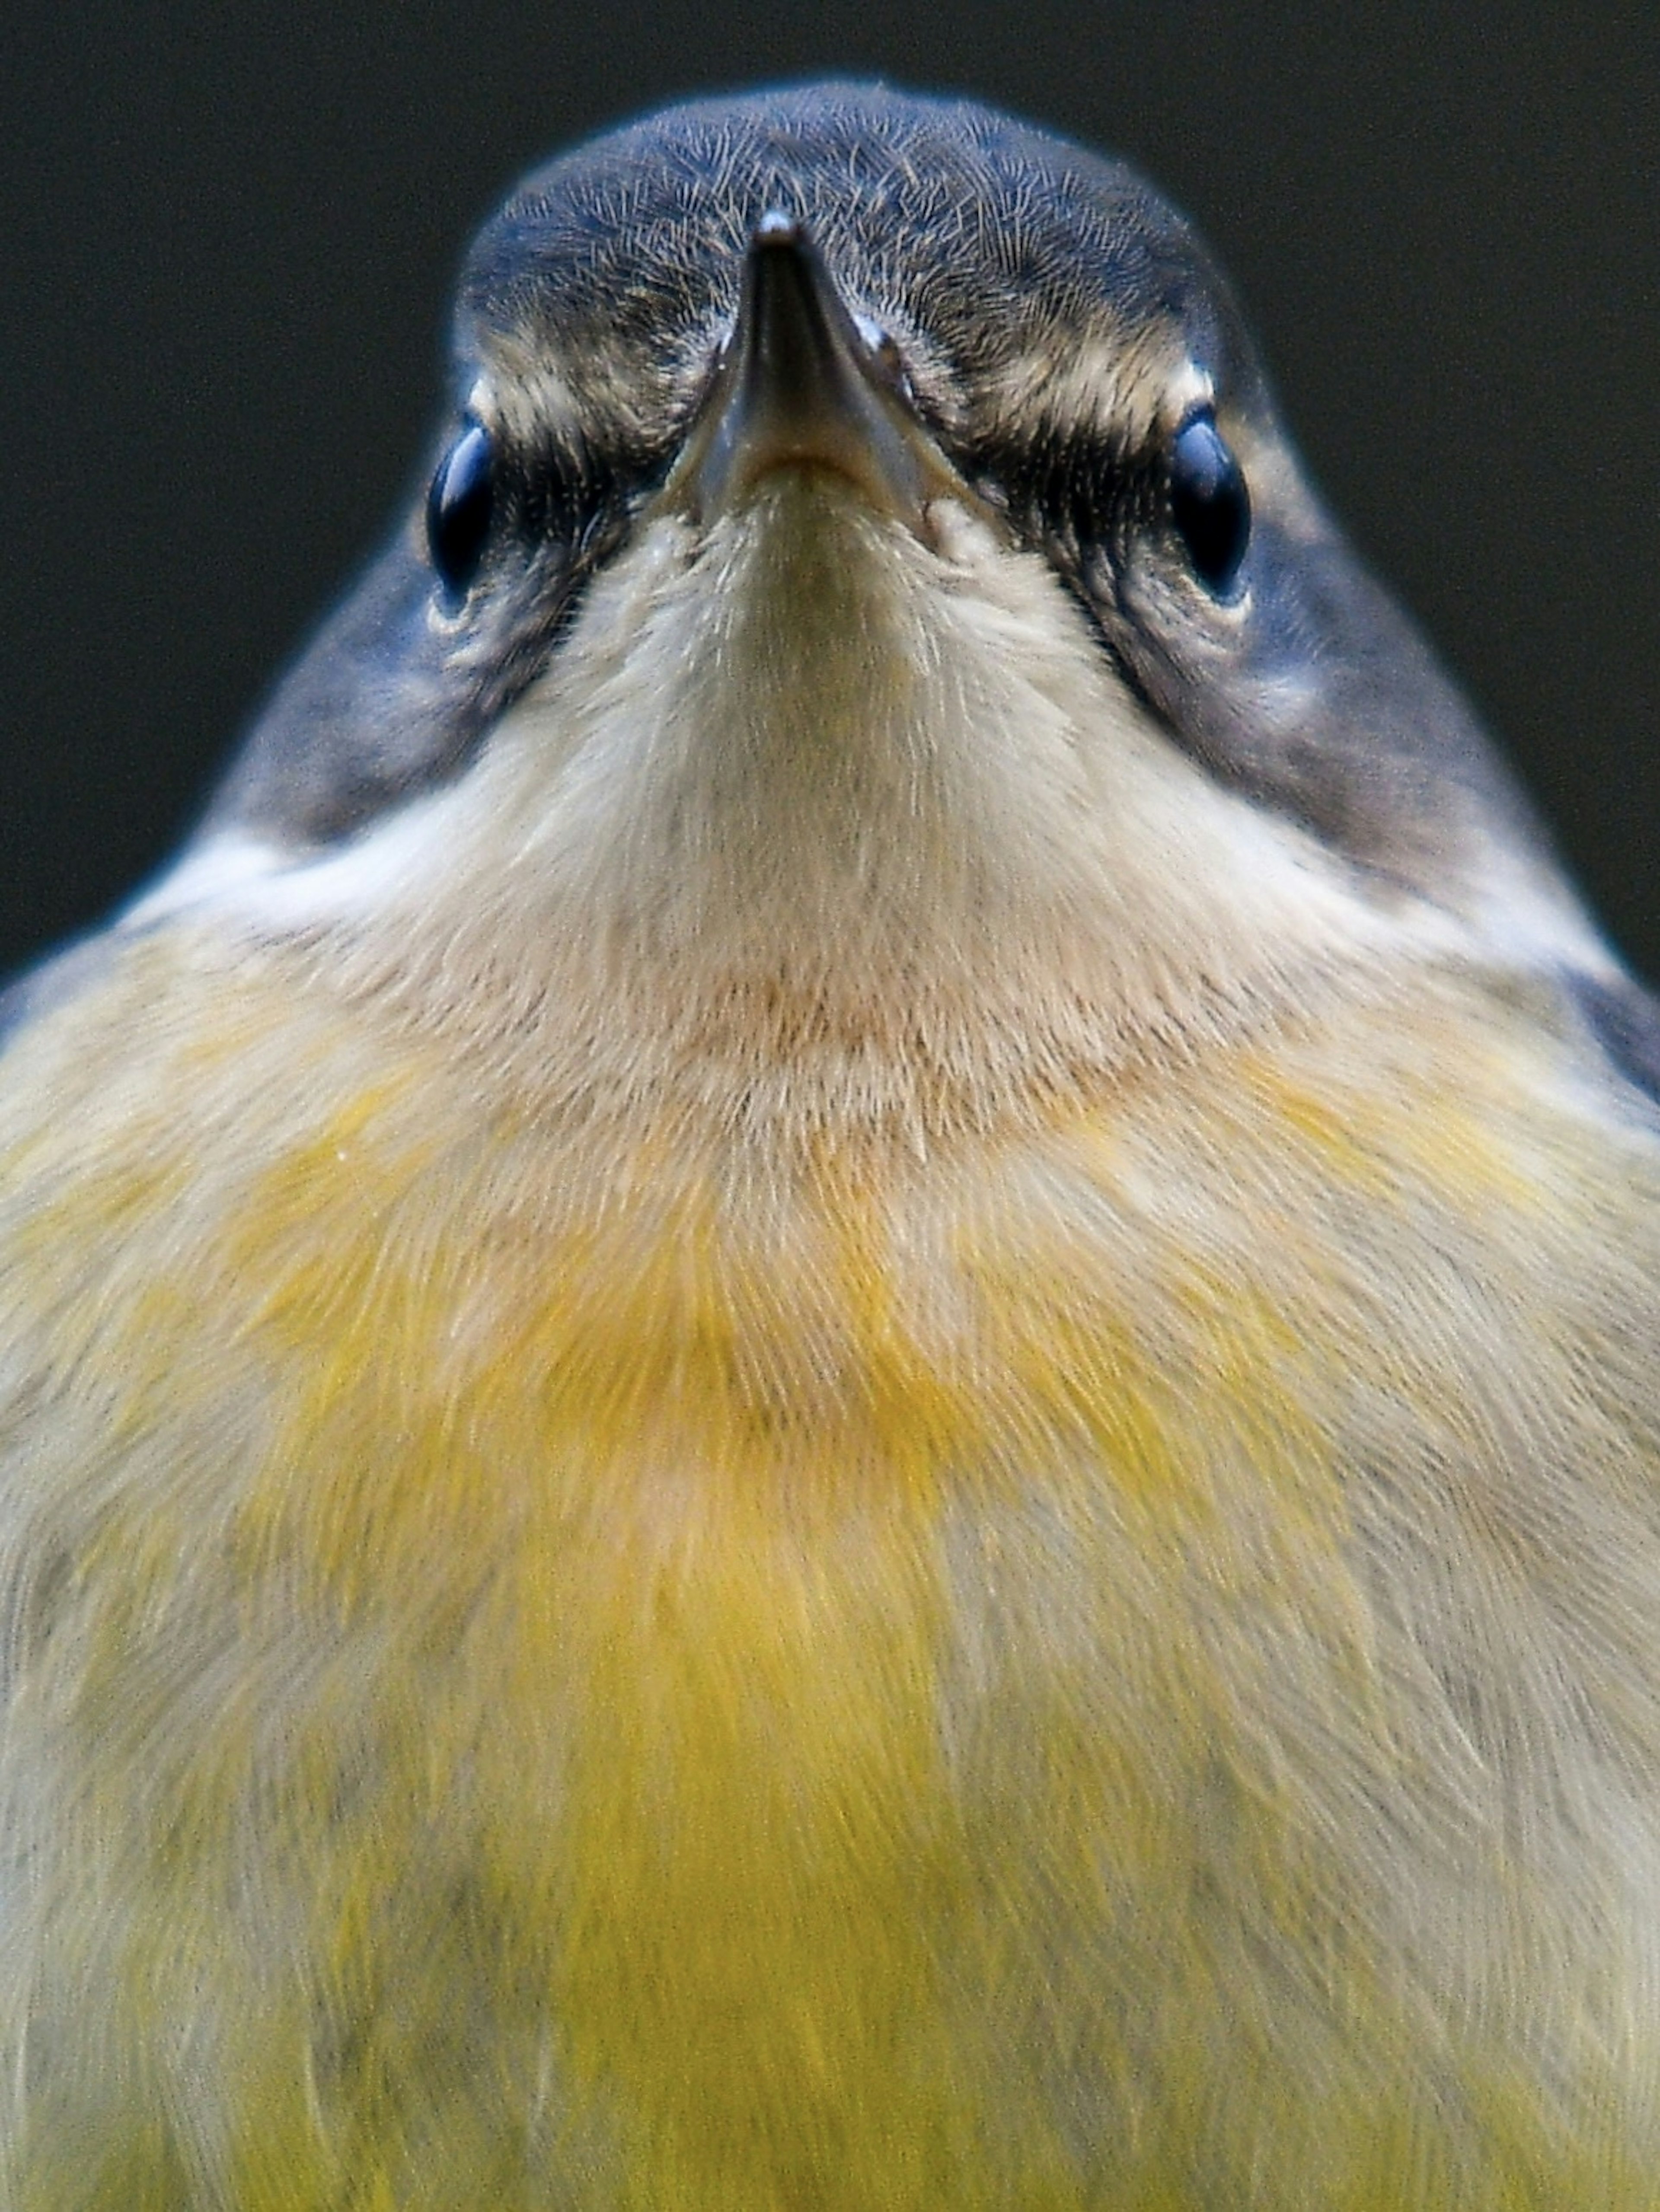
{"x":1100,"y":385}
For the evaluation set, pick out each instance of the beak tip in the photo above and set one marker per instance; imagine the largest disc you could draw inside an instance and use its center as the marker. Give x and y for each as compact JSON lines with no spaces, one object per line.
{"x":777,"y":227}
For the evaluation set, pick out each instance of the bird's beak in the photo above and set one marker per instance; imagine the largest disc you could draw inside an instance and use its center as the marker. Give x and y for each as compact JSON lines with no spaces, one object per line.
{"x":800,"y":386}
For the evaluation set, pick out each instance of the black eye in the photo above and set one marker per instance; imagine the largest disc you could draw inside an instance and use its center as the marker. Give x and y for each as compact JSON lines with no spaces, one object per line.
{"x":458,"y":509}
{"x":1209,"y":502}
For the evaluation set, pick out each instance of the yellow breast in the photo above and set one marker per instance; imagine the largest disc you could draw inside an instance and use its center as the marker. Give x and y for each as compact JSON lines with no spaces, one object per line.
{"x":560,"y":1669}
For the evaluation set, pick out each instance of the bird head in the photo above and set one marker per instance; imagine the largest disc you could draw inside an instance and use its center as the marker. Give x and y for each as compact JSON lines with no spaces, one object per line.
{"x":863,"y":589}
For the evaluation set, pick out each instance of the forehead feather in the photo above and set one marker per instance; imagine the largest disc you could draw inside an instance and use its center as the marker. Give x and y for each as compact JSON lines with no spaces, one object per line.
{"x":987,"y":248}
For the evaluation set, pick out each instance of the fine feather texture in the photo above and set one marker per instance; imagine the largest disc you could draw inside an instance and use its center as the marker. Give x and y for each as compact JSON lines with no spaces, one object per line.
{"x":837,"y":1437}
{"x":1109,"y":1663}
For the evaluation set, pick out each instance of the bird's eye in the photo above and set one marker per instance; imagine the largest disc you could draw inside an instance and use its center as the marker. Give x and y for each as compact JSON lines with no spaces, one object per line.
{"x":458,"y":509}
{"x":1209,"y":503}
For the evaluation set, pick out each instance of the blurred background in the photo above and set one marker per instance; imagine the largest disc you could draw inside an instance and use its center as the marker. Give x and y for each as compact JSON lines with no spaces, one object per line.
{"x":227,"y":234}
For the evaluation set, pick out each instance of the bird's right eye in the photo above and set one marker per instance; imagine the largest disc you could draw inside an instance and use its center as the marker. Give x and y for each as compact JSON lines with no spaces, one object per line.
{"x":458,"y":507}
{"x":1209,"y":503}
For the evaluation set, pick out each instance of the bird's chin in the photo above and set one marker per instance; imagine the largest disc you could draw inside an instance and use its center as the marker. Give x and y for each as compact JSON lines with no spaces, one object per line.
{"x":797,"y":727}
{"x":806,"y":806}
{"x":805,"y":799}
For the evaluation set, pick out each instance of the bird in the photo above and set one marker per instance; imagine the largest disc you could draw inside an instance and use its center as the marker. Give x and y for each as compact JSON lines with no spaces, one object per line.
{"x":828,"y":1373}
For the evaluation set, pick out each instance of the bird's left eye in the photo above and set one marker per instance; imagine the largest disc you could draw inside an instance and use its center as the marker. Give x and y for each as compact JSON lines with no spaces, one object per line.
{"x":458,"y":507}
{"x":1210,"y":505}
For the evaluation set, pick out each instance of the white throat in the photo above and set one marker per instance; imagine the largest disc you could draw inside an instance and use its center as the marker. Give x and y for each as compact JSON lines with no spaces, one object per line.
{"x":805,"y":771}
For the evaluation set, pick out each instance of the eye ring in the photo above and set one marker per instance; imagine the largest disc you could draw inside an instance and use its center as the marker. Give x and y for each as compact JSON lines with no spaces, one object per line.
{"x":1209,"y":502}
{"x":460,"y":507}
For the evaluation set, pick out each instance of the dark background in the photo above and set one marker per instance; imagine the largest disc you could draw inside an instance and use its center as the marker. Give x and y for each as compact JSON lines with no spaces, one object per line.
{"x":227,"y":233}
